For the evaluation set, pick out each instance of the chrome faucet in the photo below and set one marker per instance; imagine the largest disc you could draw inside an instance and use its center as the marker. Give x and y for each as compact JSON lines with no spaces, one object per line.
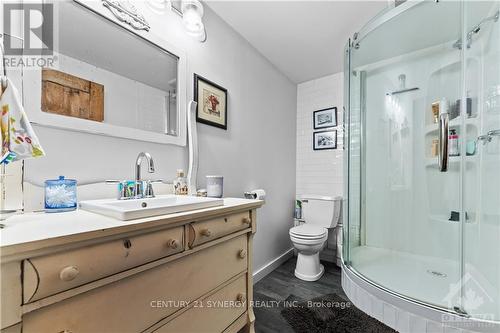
{"x":139,"y":188}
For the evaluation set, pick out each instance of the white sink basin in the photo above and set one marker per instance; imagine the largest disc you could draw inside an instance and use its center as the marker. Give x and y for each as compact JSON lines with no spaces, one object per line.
{"x":139,"y":208}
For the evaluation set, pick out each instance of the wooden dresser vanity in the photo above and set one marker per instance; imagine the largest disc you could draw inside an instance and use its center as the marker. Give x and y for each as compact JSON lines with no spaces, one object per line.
{"x":184,"y":272}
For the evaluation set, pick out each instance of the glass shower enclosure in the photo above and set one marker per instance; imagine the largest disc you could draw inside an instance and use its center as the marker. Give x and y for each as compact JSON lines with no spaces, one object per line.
{"x":422,"y":133}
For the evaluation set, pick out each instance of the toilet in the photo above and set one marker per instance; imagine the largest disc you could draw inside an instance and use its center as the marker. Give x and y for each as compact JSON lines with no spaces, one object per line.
{"x":320,"y":214}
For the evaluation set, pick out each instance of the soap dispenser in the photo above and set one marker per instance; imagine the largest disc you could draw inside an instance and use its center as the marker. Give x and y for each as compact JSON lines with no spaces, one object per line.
{"x":180,"y":184}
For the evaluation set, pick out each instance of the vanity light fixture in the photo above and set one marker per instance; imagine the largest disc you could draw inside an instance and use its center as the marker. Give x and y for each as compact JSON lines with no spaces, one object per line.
{"x":192,"y":12}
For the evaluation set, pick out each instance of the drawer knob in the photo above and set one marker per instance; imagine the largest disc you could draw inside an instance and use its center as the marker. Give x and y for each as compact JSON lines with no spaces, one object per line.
{"x":173,"y":244}
{"x":242,"y":254}
{"x":127,"y":243}
{"x":206,"y":232}
{"x":241,"y":298}
{"x":247,"y":220}
{"x":68,"y":273}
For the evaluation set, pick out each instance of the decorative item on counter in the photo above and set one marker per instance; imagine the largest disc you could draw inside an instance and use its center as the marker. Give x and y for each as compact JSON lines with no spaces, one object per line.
{"x":201,"y":193}
{"x":255,"y":194}
{"x":435,"y":112}
{"x":435,"y":148}
{"x":453,"y":143}
{"x":215,"y":186}
{"x":180,"y":184}
{"x":60,"y":195}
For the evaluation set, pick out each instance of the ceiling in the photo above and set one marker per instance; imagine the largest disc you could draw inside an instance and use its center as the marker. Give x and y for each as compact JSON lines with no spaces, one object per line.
{"x":303,"y":39}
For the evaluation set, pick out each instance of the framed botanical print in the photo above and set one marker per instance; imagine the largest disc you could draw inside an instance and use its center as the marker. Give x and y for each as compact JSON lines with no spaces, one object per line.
{"x":325,"y":118}
{"x":212,"y":102}
{"x":325,"y":140}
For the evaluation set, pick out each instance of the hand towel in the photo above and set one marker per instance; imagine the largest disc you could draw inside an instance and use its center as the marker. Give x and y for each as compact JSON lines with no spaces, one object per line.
{"x":19,"y":141}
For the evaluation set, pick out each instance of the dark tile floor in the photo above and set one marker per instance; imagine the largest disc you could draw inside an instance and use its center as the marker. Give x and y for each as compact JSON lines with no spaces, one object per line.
{"x":271,"y":292}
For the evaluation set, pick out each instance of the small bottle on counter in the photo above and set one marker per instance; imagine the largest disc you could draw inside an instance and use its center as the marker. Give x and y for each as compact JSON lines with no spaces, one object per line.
{"x":180,"y":184}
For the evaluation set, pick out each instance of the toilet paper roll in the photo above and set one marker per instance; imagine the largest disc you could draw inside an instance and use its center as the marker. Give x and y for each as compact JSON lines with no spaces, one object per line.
{"x":259,"y":194}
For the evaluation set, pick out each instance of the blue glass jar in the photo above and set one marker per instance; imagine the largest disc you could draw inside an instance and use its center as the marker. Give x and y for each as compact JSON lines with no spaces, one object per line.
{"x":60,"y":195}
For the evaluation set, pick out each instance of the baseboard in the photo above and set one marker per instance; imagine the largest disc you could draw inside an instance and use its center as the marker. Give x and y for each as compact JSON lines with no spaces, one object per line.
{"x":272,"y":265}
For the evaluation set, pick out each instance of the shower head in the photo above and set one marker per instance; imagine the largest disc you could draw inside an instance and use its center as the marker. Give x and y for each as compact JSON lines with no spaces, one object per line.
{"x":396,"y":92}
{"x":402,"y":87}
{"x":475,"y":30}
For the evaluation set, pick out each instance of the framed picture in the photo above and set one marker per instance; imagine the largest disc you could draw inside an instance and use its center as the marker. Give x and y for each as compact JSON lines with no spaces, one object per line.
{"x":325,"y":140}
{"x":212,"y":102}
{"x":325,"y":118}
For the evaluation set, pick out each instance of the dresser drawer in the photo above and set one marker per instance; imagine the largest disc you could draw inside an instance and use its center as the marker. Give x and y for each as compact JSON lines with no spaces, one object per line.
{"x":48,"y":275}
{"x":212,"y":314}
{"x":205,"y":231}
{"x":137,"y":302}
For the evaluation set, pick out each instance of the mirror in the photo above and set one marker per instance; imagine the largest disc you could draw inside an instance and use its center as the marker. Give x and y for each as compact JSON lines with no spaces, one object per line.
{"x":109,"y":79}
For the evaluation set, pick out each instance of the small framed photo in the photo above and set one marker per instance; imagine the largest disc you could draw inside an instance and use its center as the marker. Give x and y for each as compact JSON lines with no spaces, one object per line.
{"x":325,"y":118}
{"x":212,"y":102}
{"x":325,"y":140}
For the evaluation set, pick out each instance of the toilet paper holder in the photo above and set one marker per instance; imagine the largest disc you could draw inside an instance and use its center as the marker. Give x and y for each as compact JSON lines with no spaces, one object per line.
{"x":255,"y":194}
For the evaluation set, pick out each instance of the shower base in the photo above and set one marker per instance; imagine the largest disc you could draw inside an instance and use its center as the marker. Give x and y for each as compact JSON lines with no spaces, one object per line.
{"x":416,"y":277}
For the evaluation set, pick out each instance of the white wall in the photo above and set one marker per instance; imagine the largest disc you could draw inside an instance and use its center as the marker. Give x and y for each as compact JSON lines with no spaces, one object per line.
{"x":257,"y":150}
{"x":319,"y":172}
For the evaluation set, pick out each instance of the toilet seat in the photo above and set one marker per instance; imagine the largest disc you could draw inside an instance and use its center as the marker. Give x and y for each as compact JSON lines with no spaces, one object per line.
{"x":308,"y":231}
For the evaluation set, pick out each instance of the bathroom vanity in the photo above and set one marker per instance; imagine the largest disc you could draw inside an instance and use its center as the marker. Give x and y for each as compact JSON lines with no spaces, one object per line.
{"x":83,"y":272}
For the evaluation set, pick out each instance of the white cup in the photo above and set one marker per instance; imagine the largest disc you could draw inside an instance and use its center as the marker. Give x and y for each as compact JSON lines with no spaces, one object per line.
{"x":215,"y":186}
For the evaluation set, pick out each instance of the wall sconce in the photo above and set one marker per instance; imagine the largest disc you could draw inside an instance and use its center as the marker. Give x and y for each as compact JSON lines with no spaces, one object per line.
{"x":192,"y":13}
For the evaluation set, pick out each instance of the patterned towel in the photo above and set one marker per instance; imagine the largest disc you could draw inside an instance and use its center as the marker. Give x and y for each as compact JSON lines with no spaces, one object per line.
{"x":19,"y":141}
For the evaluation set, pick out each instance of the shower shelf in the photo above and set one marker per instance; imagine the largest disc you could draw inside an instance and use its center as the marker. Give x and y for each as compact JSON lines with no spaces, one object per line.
{"x":445,"y":219}
{"x":454,"y":123}
{"x":433,"y":161}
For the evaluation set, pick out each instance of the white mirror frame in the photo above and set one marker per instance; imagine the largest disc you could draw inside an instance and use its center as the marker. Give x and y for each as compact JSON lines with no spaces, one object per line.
{"x":81,"y":125}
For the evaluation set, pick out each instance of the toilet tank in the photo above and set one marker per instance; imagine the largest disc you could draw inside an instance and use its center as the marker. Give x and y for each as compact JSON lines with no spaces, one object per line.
{"x":321,"y":210}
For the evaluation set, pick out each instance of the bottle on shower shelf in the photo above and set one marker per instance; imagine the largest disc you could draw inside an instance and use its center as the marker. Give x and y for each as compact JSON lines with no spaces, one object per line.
{"x":453,"y":149}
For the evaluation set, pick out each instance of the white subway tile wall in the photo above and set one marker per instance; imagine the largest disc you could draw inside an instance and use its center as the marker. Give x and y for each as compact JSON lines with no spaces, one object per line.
{"x":319,"y":172}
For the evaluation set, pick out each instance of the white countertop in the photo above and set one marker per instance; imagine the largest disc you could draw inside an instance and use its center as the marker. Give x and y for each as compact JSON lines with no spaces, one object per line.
{"x":39,"y":230}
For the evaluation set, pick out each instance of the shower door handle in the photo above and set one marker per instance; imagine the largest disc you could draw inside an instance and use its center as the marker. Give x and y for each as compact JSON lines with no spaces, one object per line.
{"x":443,"y":142}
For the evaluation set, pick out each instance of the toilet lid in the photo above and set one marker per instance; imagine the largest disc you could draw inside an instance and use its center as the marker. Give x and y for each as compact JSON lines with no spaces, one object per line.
{"x":308,"y":231}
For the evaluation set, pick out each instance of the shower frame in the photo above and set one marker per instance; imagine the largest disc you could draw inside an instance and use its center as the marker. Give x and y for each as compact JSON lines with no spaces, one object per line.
{"x":354,"y":43}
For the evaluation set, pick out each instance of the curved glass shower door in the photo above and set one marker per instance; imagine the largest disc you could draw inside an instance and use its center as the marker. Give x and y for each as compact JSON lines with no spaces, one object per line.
{"x":404,"y":186}
{"x":423,"y":155}
{"x":481,"y":181}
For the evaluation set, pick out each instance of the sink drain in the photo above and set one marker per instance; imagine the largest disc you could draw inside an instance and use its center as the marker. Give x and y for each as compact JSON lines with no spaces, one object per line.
{"x":436,"y":273}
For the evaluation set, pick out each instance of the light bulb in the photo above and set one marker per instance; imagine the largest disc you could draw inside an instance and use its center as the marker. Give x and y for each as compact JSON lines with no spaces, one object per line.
{"x":192,"y":21}
{"x":192,"y":12}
